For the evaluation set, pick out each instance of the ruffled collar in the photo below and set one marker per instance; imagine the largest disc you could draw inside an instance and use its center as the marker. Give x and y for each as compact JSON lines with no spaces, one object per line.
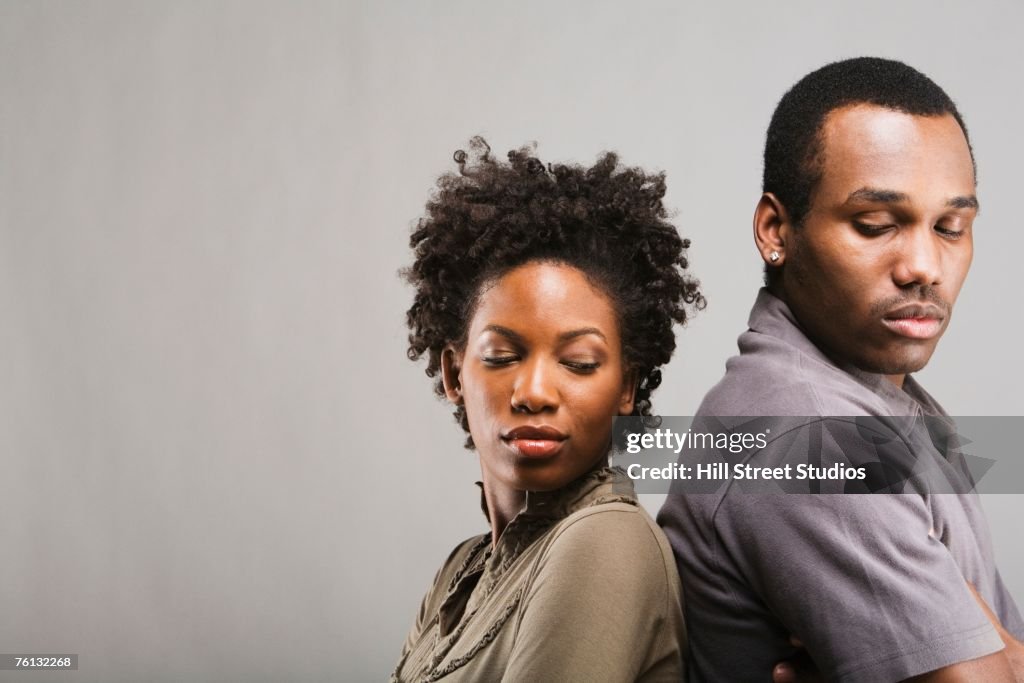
{"x":604,"y":485}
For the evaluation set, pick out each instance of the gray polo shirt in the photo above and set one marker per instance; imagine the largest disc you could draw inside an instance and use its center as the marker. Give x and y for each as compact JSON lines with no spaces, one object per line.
{"x":875,"y":586}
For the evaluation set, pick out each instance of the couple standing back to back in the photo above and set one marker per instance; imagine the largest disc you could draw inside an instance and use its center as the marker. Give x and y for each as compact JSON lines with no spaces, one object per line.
{"x":546,"y":296}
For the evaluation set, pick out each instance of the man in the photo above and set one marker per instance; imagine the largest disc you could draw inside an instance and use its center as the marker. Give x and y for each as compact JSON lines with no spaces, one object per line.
{"x":865,"y":227}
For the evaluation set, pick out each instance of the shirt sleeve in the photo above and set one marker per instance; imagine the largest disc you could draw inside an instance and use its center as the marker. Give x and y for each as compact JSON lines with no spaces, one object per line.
{"x":858,"y":578}
{"x":602,"y":605}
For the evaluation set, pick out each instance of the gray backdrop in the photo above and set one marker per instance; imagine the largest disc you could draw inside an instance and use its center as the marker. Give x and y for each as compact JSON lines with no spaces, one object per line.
{"x":216,"y":462}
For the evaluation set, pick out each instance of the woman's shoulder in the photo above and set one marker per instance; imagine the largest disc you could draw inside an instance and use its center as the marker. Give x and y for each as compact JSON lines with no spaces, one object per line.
{"x":615,"y":518}
{"x":619,"y":534}
{"x":608,"y":571}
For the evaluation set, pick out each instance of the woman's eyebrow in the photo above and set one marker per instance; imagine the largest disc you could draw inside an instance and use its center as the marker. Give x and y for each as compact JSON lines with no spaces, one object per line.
{"x":572,"y":334}
{"x":505,"y":332}
{"x":565,"y":336}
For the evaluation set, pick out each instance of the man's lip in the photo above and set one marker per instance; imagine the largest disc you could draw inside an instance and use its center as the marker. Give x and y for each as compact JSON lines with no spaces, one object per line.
{"x":534,"y":433}
{"x":916,"y":311}
{"x":915,"y":321}
{"x":914,"y":328}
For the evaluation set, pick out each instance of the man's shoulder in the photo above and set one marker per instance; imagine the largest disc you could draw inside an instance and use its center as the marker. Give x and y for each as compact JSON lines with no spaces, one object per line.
{"x":773,"y":377}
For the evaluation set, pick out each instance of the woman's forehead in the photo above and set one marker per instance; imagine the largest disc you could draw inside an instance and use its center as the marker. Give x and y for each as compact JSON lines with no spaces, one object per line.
{"x":554,"y":296}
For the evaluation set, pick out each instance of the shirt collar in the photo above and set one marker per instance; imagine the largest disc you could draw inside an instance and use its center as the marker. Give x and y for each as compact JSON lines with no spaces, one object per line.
{"x":770,"y":315}
{"x":604,"y":485}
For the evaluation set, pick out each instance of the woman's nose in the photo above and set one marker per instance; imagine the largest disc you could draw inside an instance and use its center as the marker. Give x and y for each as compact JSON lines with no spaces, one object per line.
{"x":535,"y":387}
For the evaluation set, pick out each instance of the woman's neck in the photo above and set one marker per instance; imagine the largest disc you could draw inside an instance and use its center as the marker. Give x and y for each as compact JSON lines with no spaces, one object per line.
{"x":504,"y":502}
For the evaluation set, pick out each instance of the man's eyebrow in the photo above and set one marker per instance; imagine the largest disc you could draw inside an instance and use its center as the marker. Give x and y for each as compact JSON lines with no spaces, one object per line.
{"x":872,"y":194}
{"x":565,"y":336}
{"x":965,"y":202}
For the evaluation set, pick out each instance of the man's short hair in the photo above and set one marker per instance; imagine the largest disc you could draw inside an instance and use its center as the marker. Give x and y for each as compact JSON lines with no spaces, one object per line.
{"x":793,"y":151}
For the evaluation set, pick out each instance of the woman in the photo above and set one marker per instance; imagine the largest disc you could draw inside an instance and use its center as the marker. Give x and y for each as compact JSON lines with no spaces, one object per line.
{"x":545,"y":299}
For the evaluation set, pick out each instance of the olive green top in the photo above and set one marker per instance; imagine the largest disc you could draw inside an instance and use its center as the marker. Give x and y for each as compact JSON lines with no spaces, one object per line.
{"x":581,"y":586}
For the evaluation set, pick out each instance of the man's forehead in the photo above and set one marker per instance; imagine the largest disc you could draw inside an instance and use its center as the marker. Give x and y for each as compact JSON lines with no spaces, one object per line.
{"x":875,"y":150}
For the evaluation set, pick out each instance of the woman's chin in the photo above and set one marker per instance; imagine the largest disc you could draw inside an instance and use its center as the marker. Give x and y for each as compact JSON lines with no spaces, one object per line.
{"x":544,"y":476}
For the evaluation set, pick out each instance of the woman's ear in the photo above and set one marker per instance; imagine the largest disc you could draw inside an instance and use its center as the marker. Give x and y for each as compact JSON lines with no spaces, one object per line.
{"x":628,"y":397}
{"x":451,"y":374}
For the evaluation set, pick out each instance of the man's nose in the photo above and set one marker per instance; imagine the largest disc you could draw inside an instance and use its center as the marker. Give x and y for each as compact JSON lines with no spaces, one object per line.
{"x":918,"y":257}
{"x":535,"y":387}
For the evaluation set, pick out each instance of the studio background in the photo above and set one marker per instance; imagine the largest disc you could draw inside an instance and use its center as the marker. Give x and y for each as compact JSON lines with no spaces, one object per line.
{"x":216,"y":462}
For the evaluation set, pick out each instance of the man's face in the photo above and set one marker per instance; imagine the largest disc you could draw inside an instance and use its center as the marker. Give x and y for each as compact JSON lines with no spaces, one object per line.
{"x":874,"y":270}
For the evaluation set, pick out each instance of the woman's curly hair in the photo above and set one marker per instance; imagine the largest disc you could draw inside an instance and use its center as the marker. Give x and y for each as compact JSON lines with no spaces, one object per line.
{"x":606,"y":220}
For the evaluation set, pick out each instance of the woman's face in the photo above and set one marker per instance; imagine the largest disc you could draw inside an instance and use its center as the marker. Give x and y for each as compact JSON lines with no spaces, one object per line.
{"x":541,"y":377}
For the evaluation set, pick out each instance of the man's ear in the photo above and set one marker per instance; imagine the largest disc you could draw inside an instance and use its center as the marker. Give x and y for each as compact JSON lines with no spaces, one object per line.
{"x":628,"y":397}
{"x":451,"y":374}
{"x":772,"y":229}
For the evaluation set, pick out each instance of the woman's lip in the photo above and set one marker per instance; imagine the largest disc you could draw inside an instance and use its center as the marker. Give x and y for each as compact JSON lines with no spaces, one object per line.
{"x":914,"y":328}
{"x":535,"y":448}
{"x":534,"y":432}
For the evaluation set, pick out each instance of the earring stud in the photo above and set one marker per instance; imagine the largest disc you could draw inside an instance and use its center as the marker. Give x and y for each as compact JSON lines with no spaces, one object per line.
{"x":774,"y":256}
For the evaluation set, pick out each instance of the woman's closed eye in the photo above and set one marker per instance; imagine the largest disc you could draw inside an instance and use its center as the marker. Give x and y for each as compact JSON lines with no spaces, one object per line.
{"x":582,"y":365}
{"x":497,"y":360}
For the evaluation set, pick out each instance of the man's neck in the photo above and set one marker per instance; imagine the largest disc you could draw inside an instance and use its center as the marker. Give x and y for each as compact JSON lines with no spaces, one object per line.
{"x":779,"y":292}
{"x":897,"y":380}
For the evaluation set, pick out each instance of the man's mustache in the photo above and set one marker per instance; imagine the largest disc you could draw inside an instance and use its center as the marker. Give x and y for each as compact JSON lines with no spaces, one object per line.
{"x":921,"y":294}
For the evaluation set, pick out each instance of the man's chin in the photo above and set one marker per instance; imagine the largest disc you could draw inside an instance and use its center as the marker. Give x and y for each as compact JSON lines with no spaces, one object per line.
{"x":898,"y":361}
